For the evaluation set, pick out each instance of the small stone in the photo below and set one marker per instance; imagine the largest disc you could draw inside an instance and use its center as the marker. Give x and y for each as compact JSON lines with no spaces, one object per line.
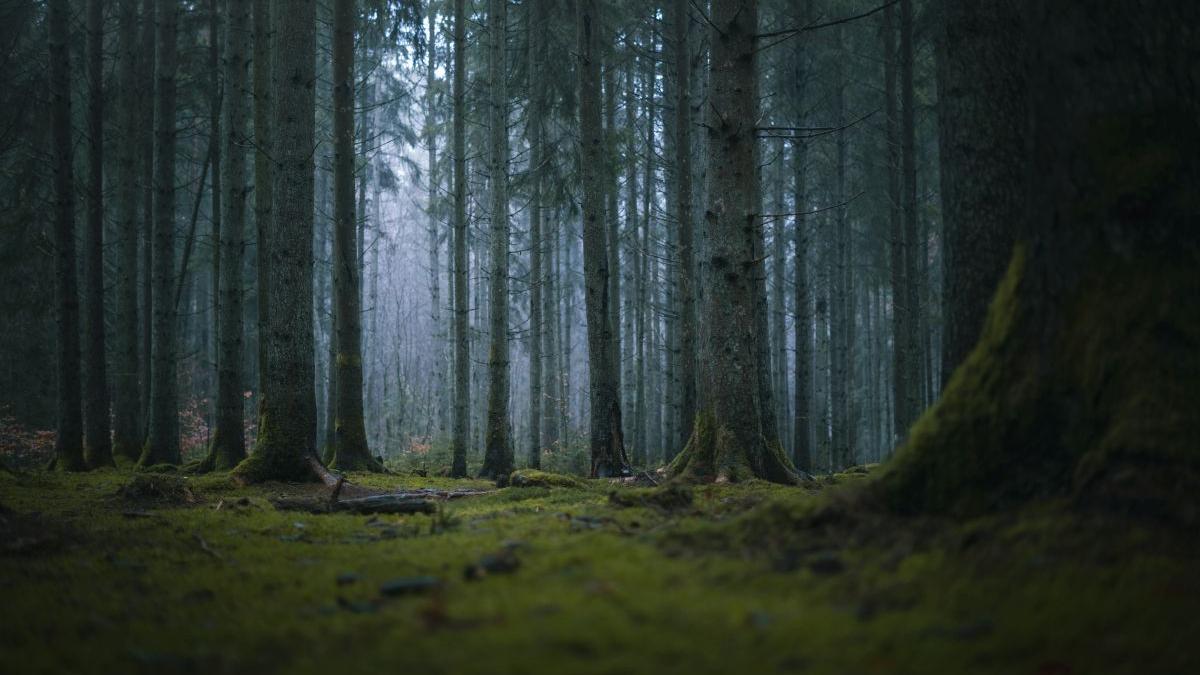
{"x":409,"y":585}
{"x":501,"y":562}
{"x":347,"y":578}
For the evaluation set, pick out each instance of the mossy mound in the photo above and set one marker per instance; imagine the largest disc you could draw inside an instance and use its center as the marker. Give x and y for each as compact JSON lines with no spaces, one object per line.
{"x":156,"y":488}
{"x":525,"y":478}
{"x":673,"y":497}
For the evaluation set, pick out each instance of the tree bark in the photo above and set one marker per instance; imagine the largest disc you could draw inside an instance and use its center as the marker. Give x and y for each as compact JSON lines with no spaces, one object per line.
{"x":498,"y":444}
{"x":687,"y":364}
{"x":899,"y":280}
{"x":536,"y":59}
{"x":802,"y":446}
{"x":126,"y":432}
{"x":350,"y":451}
{"x":1085,"y":377}
{"x":68,"y":441}
{"x":263,"y":177}
{"x":162,"y":445}
{"x":97,"y":445}
{"x":284,"y":449}
{"x":606,"y":438}
{"x":975,"y":68}
{"x":229,"y":442}
{"x":462,"y":347}
{"x":729,"y":441}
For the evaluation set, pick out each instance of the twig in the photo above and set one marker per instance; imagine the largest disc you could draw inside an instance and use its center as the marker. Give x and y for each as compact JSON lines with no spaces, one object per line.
{"x":204,"y":546}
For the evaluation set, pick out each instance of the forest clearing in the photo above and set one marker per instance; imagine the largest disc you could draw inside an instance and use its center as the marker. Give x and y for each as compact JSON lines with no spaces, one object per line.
{"x":196,"y":575}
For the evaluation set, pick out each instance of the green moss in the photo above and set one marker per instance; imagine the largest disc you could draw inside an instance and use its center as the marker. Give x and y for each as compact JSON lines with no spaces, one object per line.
{"x":524,"y":478}
{"x":599,"y":589}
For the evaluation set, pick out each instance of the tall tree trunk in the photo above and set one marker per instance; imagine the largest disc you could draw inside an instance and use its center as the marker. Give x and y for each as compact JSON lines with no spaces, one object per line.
{"x":841,"y":318}
{"x":350,"y":437}
{"x":912,"y":305}
{"x":606,"y":438}
{"x":536,"y":17}
{"x":900,"y":309}
{"x":126,"y":432}
{"x":229,"y":442}
{"x":498,"y":445}
{"x":612,"y":238}
{"x":462,"y":347}
{"x":435,"y":227}
{"x":779,"y":359}
{"x":972,"y":71}
{"x":68,"y":441}
{"x":97,"y":445}
{"x":802,"y":455}
{"x":264,"y":179}
{"x":1085,"y":377}
{"x":162,"y":445}
{"x":729,"y":441}
{"x":212,"y":351}
{"x":148,"y":74}
{"x":687,"y":364}
{"x":285,"y":449}
{"x":632,"y":224}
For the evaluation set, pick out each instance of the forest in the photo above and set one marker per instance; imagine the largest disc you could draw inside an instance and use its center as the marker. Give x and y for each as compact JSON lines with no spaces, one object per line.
{"x":599,"y":336}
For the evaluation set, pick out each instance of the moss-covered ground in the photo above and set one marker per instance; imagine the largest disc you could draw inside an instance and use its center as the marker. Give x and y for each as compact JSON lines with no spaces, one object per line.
{"x":204,"y":576}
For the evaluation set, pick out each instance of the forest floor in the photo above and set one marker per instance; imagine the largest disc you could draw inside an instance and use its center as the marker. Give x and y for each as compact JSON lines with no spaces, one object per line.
{"x":197,"y":575}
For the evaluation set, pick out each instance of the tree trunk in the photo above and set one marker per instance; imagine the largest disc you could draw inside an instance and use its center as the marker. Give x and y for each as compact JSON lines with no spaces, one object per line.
{"x":498,"y":446}
{"x":229,"y":442}
{"x":899,"y":278}
{"x":606,"y":439}
{"x":284,"y":449}
{"x":975,"y":69}
{"x":68,"y":441}
{"x":1085,"y":377}
{"x":687,"y":364}
{"x":126,"y":432}
{"x":216,"y":213}
{"x":911,"y":304}
{"x":462,"y":349}
{"x":729,"y":441}
{"x":97,"y":445}
{"x":162,"y":445}
{"x":350,"y":452}
{"x":802,"y":455}
{"x":435,"y":228}
{"x":263,"y":177}
{"x":536,"y":16}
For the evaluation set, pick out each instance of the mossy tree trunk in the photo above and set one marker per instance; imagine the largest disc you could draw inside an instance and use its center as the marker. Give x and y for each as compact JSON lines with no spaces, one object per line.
{"x":162,"y":444}
{"x":729,"y":440}
{"x":284,"y":449}
{"x":498,"y":443}
{"x":606,"y":438}
{"x":229,"y":442}
{"x":68,"y":441}
{"x":350,"y":450}
{"x":1086,"y":376}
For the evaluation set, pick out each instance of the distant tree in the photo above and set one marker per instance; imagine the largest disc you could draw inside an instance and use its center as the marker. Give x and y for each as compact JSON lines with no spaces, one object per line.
{"x":97,"y":431}
{"x":162,"y":444}
{"x":536,"y":55}
{"x":127,"y":435}
{"x":682,"y":53}
{"x":462,"y":346}
{"x":68,"y":443}
{"x":228,"y":446}
{"x":350,"y":436}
